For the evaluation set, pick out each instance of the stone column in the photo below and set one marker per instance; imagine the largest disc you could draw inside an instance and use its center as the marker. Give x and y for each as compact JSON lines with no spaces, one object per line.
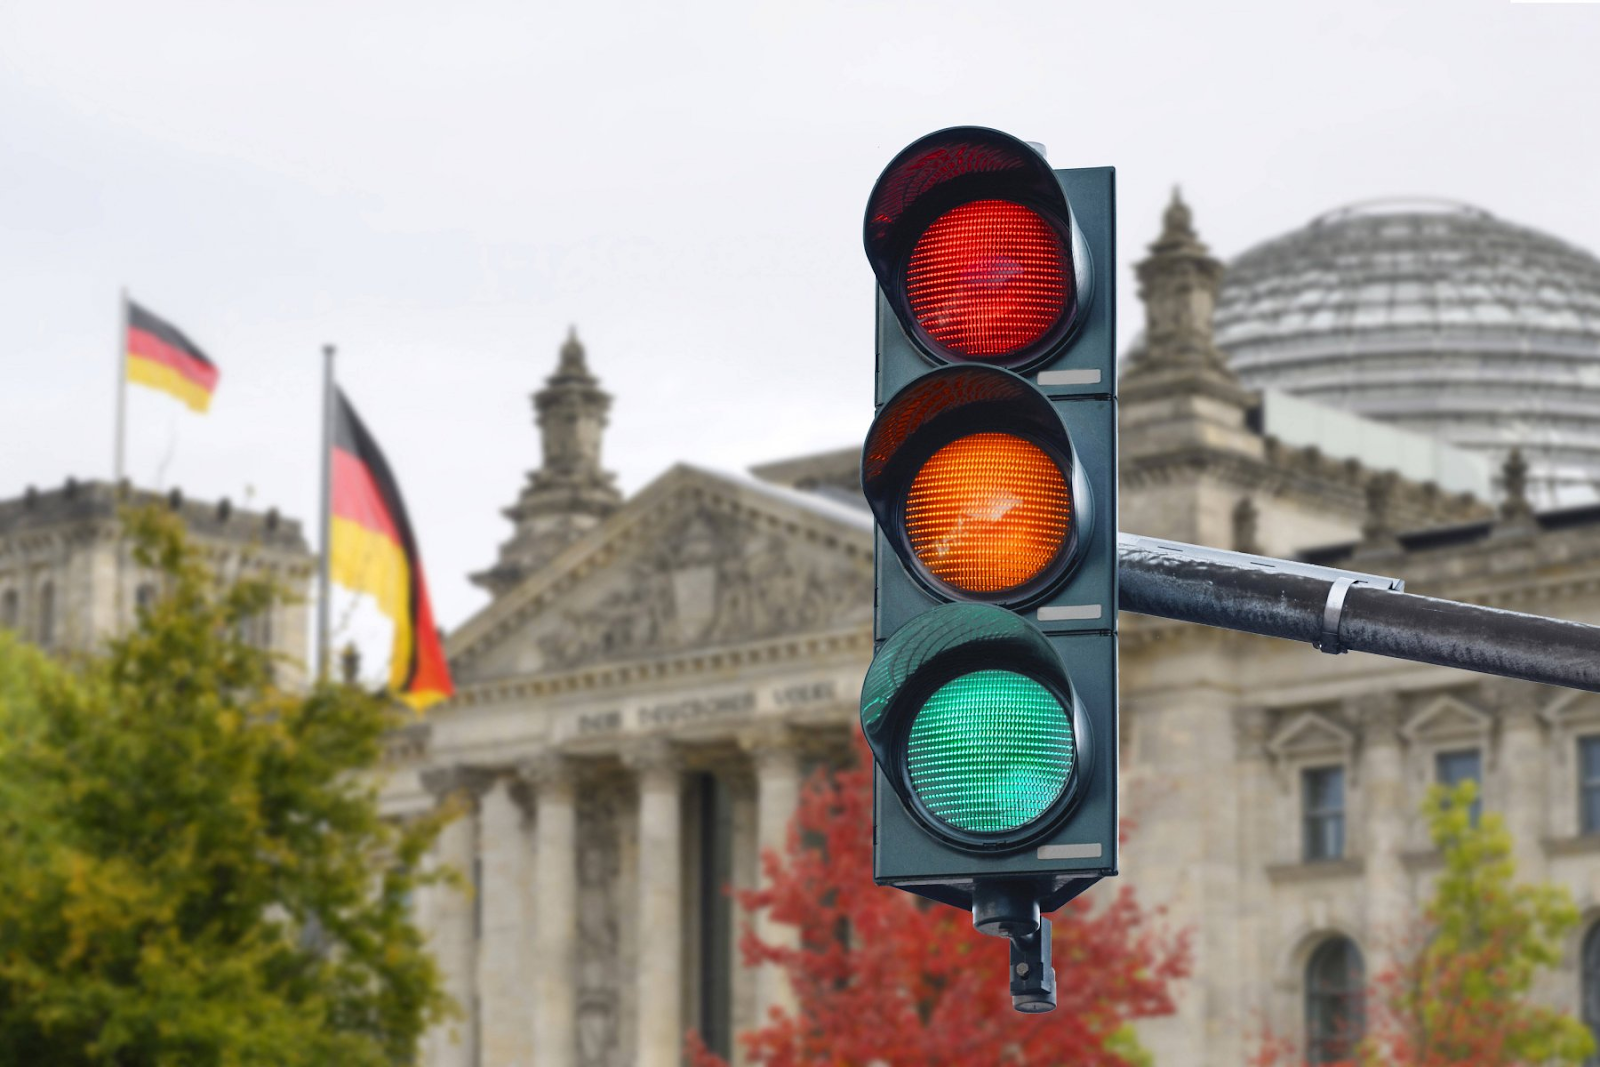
{"x":454,"y":937}
{"x":1251,"y":727}
{"x":1523,"y":767}
{"x":1381,"y":786}
{"x":777,"y":766}
{"x":555,"y":900}
{"x":505,"y":1031}
{"x":746,"y":1000}
{"x":1185,"y":850}
{"x":660,"y":955}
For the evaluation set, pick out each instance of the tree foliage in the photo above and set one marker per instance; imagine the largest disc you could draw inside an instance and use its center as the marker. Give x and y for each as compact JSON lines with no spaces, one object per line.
{"x":884,"y":978}
{"x":1463,"y":991}
{"x":193,"y":868}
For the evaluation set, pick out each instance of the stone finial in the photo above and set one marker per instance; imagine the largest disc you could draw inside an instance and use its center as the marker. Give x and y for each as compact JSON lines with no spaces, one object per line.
{"x":1177,"y":222}
{"x":572,"y":361}
{"x":1379,"y":527}
{"x":1178,"y":283}
{"x":1379,"y":522}
{"x":1514,"y":506}
{"x":1246,"y":524}
{"x":350,"y":663}
{"x":569,"y":494}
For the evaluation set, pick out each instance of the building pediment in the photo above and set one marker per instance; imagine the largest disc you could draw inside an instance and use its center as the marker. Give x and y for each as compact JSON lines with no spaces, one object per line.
{"x":1572,"y":707}
{"x":1311,"y":735}
{"x":1447,"y":718}
{"x":695,"y":560}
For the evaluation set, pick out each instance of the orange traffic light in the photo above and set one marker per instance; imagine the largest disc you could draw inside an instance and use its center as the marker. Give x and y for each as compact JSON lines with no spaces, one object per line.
{"x":988,"y":513}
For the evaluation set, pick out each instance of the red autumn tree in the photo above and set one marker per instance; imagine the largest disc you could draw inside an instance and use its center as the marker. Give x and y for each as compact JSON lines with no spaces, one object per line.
{"x":885,"y":978}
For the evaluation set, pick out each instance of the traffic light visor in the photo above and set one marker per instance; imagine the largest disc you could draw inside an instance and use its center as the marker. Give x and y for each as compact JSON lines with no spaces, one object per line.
{"x":973,"y":479}
{"x":975,"y":248}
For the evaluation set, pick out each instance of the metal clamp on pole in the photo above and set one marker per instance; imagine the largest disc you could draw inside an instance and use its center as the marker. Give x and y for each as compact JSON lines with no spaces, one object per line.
{"x":1332,"y":616}
{"x":1237,"y":590}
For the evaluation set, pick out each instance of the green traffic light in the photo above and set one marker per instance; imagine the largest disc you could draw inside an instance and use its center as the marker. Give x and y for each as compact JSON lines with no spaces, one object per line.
{"x":990,"y":751}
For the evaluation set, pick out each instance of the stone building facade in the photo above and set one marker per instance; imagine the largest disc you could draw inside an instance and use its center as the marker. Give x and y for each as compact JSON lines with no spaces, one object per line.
{"x":69,"y":580}
{"x":641,"y":701}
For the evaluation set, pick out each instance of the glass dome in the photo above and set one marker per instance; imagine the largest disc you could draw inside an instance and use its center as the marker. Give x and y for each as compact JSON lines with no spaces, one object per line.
{"x":1436,"y":317}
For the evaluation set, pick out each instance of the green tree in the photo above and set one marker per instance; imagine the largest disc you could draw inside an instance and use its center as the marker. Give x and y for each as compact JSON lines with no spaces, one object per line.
{"x":193,"y":868}
{"x":1462,"y":995}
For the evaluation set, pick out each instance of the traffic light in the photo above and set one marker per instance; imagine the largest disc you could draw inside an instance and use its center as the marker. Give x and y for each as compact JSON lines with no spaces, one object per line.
{"x":991,"y":703}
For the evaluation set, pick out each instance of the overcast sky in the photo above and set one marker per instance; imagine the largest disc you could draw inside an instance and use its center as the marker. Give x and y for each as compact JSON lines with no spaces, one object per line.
{"x":441,"y":189}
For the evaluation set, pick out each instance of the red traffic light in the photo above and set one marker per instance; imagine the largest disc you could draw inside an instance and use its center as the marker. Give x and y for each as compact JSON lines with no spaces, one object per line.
{"x":988,"y":279}
{"x":975,"y":248}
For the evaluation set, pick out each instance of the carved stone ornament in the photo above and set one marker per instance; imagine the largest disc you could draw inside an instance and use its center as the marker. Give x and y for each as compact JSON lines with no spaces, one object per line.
{"x":546,"y":771}
{"x":447,"y":781}
{"x":711,"y":580}
{"x":770,"y":745}
{"x":600,"y":976}
{"x":653,"y":758}
{"x":408,"y":744}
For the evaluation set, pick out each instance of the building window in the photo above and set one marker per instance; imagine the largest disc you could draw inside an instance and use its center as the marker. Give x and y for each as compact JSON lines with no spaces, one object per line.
{"x":717,"y":929}
{"x":1589,"y":783}
{"x":1591,"y":987}
{"x":8,"y":610}
{"x":1323,"y":804}
{"x":1453,"y":768}
{"x":144,"y":596}
{"x":1335,"y":1002}
{"x":47,"y":614}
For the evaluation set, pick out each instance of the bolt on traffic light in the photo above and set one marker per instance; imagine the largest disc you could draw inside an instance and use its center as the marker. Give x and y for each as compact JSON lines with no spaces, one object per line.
{"x":991,"y":703}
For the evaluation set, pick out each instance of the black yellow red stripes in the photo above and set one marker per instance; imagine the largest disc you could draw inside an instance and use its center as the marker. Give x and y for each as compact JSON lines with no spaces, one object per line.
{"x":160,"y":356}
{"x":373,"y":551}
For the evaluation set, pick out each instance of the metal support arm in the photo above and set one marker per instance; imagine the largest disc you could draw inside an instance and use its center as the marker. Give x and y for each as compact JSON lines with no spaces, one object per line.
{"x":1337,"y":611}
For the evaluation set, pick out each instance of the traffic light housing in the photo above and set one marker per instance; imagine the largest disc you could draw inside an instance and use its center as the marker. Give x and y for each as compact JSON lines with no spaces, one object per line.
{"x":991,"y":703}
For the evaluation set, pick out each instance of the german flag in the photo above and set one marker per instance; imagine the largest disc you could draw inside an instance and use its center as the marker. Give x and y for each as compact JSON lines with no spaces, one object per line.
{"x":373,"y":551}
{"x":160,"y":356}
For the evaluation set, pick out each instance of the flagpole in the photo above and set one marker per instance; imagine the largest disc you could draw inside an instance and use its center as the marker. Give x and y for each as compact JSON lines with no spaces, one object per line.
{"x":119,"y":463}
{"x":325,"y":577}
{"x":118,"y":466}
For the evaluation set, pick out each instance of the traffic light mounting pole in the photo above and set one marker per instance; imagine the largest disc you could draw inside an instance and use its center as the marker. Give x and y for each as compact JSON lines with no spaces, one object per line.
{"x":1345,"y":611}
